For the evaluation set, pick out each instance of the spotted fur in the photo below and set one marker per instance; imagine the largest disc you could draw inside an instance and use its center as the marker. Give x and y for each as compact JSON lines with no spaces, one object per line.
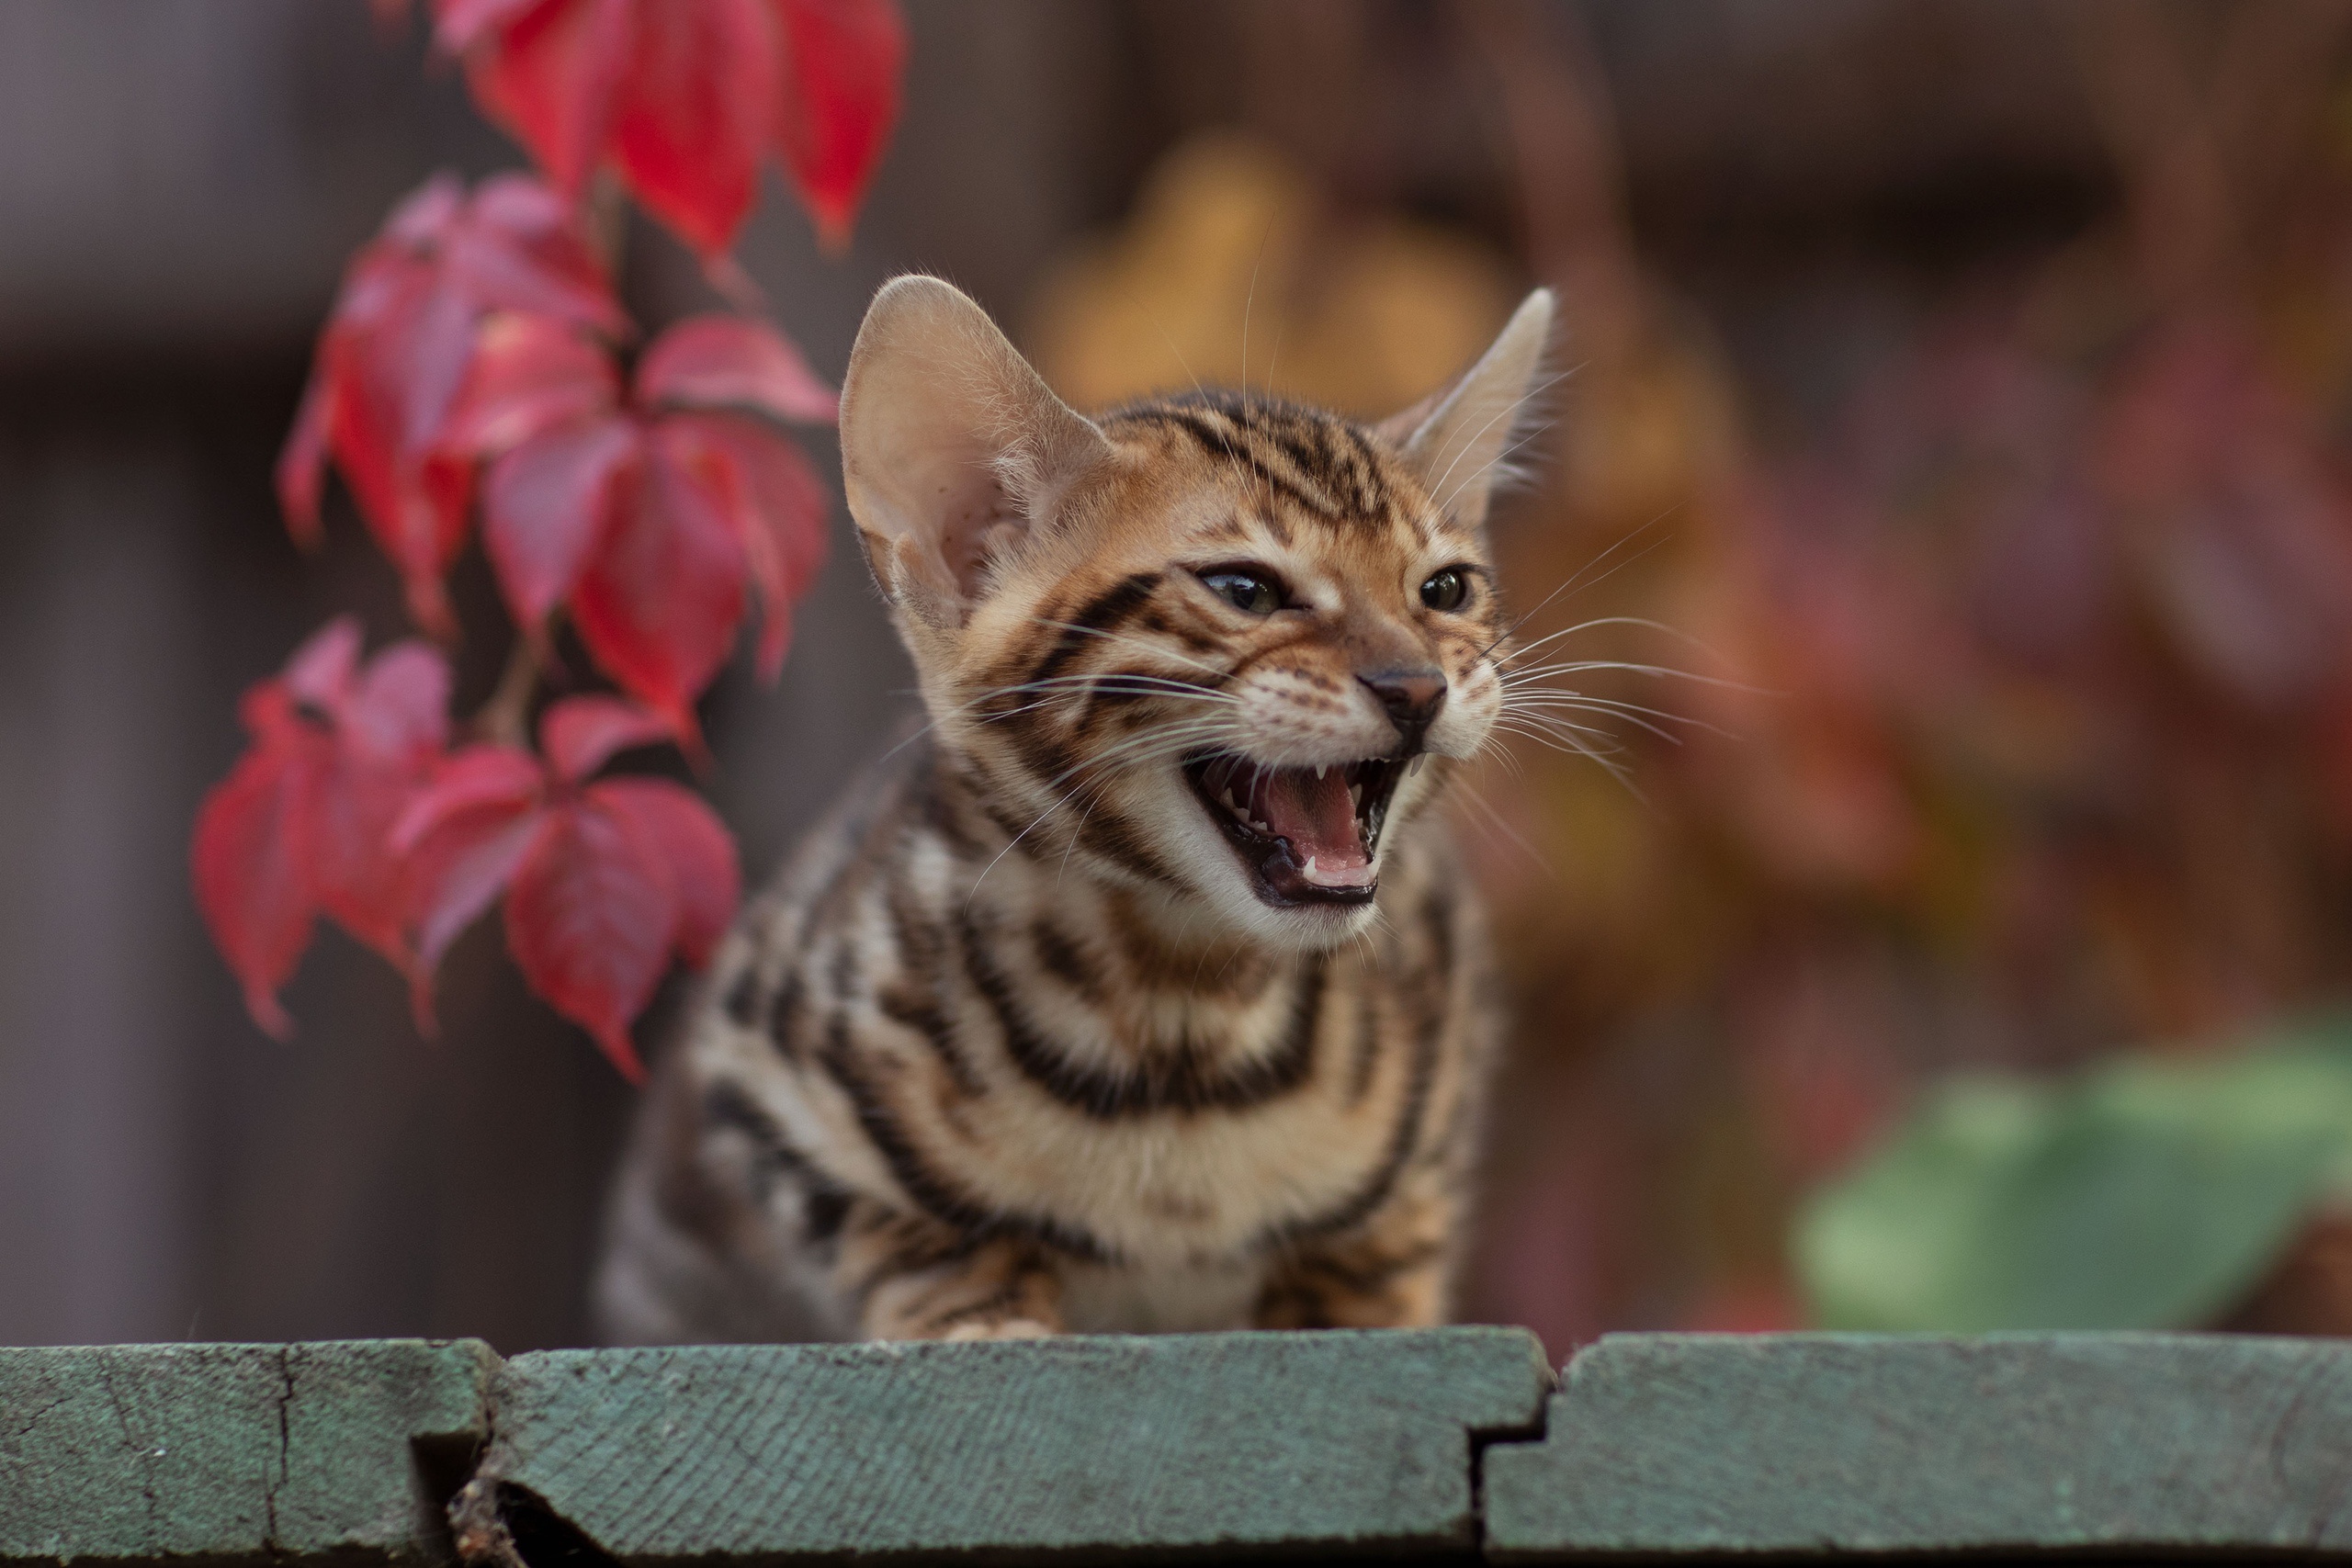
{"x":1024,"y":1039}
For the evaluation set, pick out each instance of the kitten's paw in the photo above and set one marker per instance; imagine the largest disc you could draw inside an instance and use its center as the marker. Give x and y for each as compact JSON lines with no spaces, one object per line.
{"x":1003,"y":1328}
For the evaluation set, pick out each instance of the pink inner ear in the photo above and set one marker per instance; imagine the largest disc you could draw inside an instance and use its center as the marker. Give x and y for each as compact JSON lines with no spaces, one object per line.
{"x":978,"y":521}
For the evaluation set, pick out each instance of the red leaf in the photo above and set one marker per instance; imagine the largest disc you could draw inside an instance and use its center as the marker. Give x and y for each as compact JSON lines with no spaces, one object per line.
{"x":388,"y":730}
{"x":424,"y":215}
{"x":457,"y":24}
{"x":505,"y":778}
{"x":530,"y":374}
{"x":548,"y":72}
{"x":590,"y":917}
{"x":544,"y":508}
{"x":355,"y":876}
{"x":663,"y":595}
{"x":580,"y":734}
{"x":519,"y":247}
{"x":395,"y":354}
{"x":461,"y":836}
{"x":685,"y":95}
{"x":457,"y":867}
{"x":301,"y":466}
{"x":303,"y":822}
{"x":842,"y":62}
{"x":697,"y":847}
{"x":397,"y":351}
{"x":691,"y":114}
{"x":719,"y":360}
{"x":322,"y":671}
{"x":247,"y":863}
{"x":779,"y":506}
{"x":400,"y":706}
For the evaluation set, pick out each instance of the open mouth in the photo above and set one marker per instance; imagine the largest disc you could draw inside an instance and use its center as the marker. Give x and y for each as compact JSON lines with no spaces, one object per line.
{"x":1309,"y":833}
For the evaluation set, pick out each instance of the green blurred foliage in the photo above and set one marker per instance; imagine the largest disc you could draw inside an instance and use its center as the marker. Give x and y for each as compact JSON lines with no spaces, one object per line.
{"x":2148,"y":1193}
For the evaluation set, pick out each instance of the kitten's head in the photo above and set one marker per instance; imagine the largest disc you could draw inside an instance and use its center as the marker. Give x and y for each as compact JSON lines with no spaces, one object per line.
{"x":1201,"y":647}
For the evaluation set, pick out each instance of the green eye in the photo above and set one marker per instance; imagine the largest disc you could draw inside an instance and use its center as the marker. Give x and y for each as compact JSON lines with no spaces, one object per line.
{"x":1253,"y":593}
{"x":1445,"y":591}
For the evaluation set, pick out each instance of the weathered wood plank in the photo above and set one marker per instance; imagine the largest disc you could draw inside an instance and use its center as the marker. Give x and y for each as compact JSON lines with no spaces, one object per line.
{"x":1817,"y":1443}
{"x":228,"y":1453}
{"x":1082,"y":1446}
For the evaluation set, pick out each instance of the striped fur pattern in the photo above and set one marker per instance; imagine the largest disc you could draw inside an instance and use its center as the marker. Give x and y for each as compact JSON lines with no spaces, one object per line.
{"x":1142,"y":991}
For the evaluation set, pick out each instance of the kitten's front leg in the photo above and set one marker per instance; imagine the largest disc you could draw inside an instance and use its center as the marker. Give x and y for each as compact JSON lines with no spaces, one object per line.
{"x":1393,"y":1271}
{"x":919,"y":1279}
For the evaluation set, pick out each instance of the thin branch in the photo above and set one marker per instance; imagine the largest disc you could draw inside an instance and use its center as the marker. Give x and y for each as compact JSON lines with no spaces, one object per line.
{"x":506,"y":717}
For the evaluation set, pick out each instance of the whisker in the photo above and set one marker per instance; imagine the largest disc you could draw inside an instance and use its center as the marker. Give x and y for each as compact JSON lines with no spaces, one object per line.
{"x":1575,"y":584}
{"x":1476,"y":796}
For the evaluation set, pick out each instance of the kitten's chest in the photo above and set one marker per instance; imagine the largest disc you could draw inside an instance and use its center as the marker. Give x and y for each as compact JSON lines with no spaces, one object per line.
{"x":1184,"y":1131}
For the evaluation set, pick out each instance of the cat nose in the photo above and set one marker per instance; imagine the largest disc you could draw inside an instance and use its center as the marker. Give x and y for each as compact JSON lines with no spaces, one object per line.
{"x":1409,"y":697}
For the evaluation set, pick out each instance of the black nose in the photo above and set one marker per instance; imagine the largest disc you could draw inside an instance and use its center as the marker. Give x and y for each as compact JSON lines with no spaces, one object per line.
{"x":1411,"y":698}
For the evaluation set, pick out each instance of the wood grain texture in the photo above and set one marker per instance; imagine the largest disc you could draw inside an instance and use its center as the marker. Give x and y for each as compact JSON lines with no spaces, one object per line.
{"x":235,"y":1452}
{"x":1838,"y":1443}
{"x":1005,"y":1450}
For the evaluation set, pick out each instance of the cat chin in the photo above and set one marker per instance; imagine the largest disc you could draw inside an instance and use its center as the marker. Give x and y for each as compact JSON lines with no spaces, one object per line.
{"x":1297,"y":928}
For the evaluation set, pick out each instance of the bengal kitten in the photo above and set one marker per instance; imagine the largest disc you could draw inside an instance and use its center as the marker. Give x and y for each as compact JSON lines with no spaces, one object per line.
{"x":1144,"y":993}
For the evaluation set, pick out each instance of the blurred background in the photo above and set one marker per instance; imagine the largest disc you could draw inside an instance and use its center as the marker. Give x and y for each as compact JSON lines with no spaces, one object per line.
{"x":1959,"y":390}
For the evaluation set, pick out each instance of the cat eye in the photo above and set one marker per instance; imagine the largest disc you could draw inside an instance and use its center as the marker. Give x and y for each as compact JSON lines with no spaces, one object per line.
{"x":1445,"y":591}
{"x":1252,"y":592}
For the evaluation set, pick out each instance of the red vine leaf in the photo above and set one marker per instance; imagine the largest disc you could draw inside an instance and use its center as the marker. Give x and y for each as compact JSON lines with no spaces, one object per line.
{"x":602,"y":884}
{"x":591,"y":917}
{"x":530,"y":374}
{"x":659,"y":602}
{"x":844,"y":60}
{"x":580,"y":734}
{"x":303,"y":823}
{"x":718,"y":361}
{"x":396,"y":353}
{"x":247,"y":860}
{"x":546,"y":70}
{"x":543,"y":507}
{"x":692,"y":112}
{"x":778,"y":505}
{"x":686,"y":98}
{"x":690,"y":839}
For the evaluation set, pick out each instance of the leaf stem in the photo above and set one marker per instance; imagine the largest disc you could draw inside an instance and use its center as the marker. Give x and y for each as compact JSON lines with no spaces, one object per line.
{"x":506,"y":717}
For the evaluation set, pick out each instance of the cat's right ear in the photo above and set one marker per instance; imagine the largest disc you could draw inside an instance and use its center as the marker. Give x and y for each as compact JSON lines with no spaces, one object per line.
{"x":953,"y":448}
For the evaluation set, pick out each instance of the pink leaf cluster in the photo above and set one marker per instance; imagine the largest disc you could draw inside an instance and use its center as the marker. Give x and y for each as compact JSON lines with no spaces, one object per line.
{"x":469,"y":369}
{"x":348,"y":804}
{"x":686,"y":98}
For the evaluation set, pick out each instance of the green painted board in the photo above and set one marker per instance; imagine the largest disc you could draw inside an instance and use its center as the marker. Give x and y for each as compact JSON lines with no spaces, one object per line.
{"x":1840,"y":1443}
{"x":1006,"y":1450}
{"x":232,"y":1452}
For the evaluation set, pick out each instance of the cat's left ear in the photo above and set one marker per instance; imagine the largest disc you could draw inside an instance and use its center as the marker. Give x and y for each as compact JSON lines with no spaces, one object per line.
{"x":1456,"y":438}
{"x":953,"y":448}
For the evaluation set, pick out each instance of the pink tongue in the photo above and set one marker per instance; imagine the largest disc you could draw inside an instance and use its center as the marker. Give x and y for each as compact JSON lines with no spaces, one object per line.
{"x":1314,"y":813}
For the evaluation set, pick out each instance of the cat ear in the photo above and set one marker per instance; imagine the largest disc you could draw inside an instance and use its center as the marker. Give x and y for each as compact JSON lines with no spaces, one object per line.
{"x":1456,"y":438}
{"x":953,"y":448}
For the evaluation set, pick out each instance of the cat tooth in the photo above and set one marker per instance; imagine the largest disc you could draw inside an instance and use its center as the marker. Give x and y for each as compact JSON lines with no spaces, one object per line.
{"x":1414,"y":766}
{"x":1227,"y":799}
{"x":1355,"y":795}
{"x":1310,"y":865}
{"x":1321,"y":768}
